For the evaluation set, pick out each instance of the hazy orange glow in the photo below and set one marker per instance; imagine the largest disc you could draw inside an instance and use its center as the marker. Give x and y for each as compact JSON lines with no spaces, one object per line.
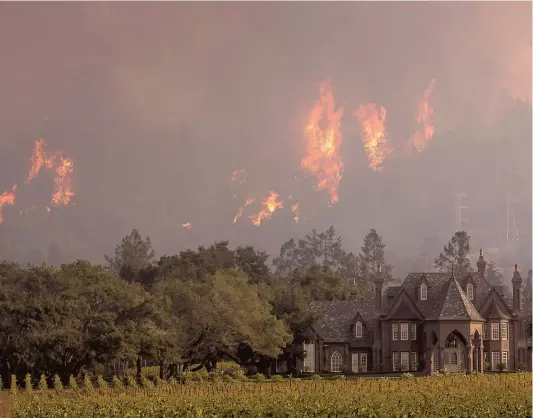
{"x":7,"y":198}
{"x":373,"y":134}
{"x":187,"y":225}
{"x":420,"y":138}
{"x":269,"y":207}
{"x":323,"y":141}
{"x":235,"y":174}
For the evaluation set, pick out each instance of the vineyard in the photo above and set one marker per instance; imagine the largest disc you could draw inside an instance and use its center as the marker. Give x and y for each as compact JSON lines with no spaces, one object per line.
{"x":505,"y":395}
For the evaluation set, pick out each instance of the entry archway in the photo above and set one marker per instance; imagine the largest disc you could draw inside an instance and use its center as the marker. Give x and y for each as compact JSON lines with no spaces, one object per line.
{"x":454,"y":353}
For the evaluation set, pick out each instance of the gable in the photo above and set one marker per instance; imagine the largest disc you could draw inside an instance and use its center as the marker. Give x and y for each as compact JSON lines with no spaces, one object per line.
{"x":494,"y":307}
{"x":403,"y":307}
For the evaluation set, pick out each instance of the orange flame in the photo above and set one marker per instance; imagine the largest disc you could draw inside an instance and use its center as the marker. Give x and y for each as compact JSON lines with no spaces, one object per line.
{"x":269,"y":206}
{"x":323,"y":142}
{"x":7,"y":198}
{"x":187,"y":225}
{"x":39,"y":159}
{"x":63,"y":182}
{"x":420,"y":138}
{"x":373,"y":134}
{"x":249,"y":201}
{"x":295,"y":211}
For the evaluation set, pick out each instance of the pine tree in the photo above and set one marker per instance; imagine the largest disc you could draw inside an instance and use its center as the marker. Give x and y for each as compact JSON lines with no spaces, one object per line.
{"x":455,"y":255}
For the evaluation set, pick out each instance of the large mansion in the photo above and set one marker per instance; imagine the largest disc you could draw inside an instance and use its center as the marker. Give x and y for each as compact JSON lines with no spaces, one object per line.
{"x":431,"y":322}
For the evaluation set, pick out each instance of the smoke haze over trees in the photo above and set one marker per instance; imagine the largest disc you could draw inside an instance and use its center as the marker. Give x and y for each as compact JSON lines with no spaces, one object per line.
{"x":154,"y":136}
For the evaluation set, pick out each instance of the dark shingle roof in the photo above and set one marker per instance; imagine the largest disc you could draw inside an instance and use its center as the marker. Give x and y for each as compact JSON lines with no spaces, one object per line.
{"x":445,"y":296}
{"x":336,"y":317}
{"x":454,"y":304}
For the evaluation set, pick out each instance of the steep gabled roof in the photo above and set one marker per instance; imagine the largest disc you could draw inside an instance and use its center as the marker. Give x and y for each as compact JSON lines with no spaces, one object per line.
{"x":495,"y":307}
{"x":446,"y":298}
{"x":402,"y":299}
{"x":337,"y":317}
{"x":454,"y":304}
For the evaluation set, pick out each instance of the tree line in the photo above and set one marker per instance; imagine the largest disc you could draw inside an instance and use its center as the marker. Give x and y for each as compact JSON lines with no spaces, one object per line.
{"x":179,"y":312}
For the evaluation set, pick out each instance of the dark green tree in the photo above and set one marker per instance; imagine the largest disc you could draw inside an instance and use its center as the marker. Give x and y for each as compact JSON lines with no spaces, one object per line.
{"x":455,"y":255}
{"x":372,"y":255}
{"x":131,"y":256}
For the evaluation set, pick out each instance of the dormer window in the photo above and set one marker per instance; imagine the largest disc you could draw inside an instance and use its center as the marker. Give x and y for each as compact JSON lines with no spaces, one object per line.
{"x":358,"y":330}
{"x":470,"y":291}
{"x":423,"y":292}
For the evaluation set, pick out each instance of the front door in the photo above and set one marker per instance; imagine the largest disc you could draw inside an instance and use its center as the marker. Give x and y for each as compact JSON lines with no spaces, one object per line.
{"x":453,"y":354}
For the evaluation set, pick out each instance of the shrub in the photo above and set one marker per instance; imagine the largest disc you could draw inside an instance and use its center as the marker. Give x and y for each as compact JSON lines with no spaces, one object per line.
{"x":276,"y":378}
{"x":13,"y":385}
{"x":117,"y":383}
{"x":339,"y":377}
{"x":27,"y":384}
{"x":521,"y":366}
{"x":407,"y":376}
{"x":73,"y":384}
{"x":58,"y":385}
{"x":88,"y":385}
{"x":132,"y":383}
{"x":146,"y":383}
{"x":260,"y":377}
{"x":43,"y":384}
{"x":316,"y":377}
{"x":102,"y":384}
{"x":501,"y":367}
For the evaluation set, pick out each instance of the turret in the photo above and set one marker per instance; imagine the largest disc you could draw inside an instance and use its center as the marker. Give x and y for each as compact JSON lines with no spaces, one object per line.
{"x":481,"y":263}
{"x":379,"y":280}
{"x":517,"y":289}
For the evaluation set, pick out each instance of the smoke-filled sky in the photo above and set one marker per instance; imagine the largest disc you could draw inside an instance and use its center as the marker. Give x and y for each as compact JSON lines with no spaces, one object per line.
{"x":157,"y":103}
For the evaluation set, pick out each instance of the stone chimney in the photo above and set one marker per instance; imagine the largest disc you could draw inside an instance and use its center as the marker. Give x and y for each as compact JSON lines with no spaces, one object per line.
{"x":481,"y":263}
{"x":379,"y":279}
{"x":517,"y":290}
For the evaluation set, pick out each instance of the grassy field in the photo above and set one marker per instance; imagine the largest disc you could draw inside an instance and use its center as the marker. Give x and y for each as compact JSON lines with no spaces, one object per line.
{"x":506,"y":395}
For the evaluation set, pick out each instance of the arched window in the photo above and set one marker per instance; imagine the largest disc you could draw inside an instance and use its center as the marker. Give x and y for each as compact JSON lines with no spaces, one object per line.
{"x":470,"y":291}
{"x":451,"y":341}
{"x":358,"y":330}
{"x":336,"y":362}
{"x":423,"y":292}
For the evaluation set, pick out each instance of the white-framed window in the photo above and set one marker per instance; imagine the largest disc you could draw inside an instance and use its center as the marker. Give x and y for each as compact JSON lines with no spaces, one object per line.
{"x":404,"y":360}
{"x":395,"y":361}
{"x":358,"y":330}
{"x":404,"y":334}
{"x":505,"y":358}
{"x":414,"y":362}
{"x":394,"y":332}
{"x":495,"y":331}
{"x":486,"y":331}
{"x":495,"y":360}
{"x":309,"y":359}
{"x":504,"y":331}
{"x":355,"y":362}
{"x":470,"y":291}
{"x":413,"y":331}
{"x":423,"y":292}
{"x":364,"y":362}
{"x":336,"y":362}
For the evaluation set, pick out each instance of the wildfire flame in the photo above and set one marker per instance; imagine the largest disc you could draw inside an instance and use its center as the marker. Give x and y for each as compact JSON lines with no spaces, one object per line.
{"x":420,"y":138}
{"x":295,"y":211}
{"x":323,"y":142}
{"x":7,"y":198}
{"x":63,"y":182}
{"x":249,"y":201}
{"x":187,"y":225}
{"x":39,"y":159}
{"x":269,"y":207}
{"x":373,"y":134}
